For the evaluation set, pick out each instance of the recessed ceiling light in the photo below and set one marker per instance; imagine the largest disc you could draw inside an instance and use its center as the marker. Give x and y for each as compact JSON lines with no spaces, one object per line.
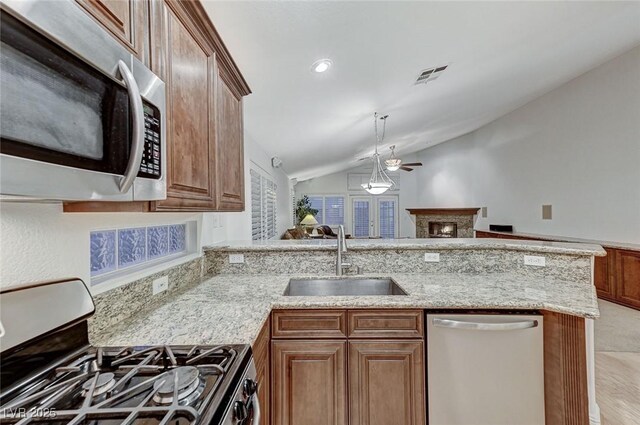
{"x":321,"y":65}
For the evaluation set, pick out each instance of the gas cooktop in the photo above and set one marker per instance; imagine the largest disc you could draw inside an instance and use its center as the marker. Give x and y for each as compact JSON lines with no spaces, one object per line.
{"x":58,"y":377}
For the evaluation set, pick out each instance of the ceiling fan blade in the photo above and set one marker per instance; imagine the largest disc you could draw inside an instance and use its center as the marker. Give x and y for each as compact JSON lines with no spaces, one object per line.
{"x":413,"y":164}
{"x":406,"y":168}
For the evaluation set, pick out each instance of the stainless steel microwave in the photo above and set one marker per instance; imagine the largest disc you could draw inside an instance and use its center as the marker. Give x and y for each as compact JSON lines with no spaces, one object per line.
{"x":81,"y":118}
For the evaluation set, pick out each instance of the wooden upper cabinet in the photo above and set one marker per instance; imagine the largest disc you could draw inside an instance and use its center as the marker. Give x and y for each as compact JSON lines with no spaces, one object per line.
{"x":204,"y":90}
{"x":628,"y":277}
{"x":309,"y":382}
{"x":126,"y":20}
{"x":230,"y":153}
{"x":185,"y":59}
{"x":386,"y":383}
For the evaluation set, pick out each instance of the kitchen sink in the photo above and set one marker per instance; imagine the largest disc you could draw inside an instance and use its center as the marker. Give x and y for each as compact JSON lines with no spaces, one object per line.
{"x":342,"y":287}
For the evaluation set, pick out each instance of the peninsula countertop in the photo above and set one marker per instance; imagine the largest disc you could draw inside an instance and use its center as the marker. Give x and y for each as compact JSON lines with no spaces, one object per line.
{"x":583,"y":249}
{"x":231,"y":309}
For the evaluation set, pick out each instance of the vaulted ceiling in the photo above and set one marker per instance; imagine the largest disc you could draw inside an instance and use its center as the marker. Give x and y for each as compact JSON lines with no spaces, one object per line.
{"x":500,"y":55}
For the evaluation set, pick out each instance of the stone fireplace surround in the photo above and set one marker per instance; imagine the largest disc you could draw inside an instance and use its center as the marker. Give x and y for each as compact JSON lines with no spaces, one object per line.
{"x":463,"y":217}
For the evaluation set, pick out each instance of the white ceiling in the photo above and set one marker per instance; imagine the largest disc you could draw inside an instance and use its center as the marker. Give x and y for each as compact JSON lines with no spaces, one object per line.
{"x":501,"y":56}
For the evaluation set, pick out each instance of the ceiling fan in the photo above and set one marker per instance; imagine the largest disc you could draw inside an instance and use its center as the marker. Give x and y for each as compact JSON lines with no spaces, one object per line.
{"x":394,"y":163}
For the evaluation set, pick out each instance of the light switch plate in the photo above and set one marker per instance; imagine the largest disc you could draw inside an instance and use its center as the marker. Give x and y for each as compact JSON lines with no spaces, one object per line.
{"x":432,"y":257}
{"x":534,"y":260}
{"x":236,"y":258}
{"x":546,"y":212}
{"x":160,"y":285}
{"x":484,"y":212}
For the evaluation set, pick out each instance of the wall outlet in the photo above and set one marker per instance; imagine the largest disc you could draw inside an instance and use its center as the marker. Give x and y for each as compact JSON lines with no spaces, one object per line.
{"x":534,"y":260}
{"x":432,"y":257}
{"x":546,"y":212}
{"x":236,"y":258}
{"x":160,"y":285}
{"x":484,"y":212}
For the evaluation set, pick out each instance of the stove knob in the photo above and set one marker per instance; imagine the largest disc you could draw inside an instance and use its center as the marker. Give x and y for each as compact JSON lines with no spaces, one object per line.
{"x":249,"y":387}
{"x":240,"y":411}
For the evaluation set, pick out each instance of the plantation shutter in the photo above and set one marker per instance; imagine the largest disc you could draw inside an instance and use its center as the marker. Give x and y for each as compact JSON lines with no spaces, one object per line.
{"x":263,"y":207}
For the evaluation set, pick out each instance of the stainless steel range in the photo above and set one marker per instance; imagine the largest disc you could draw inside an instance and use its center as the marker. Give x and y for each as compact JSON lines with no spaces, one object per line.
{"x":51,"y":374}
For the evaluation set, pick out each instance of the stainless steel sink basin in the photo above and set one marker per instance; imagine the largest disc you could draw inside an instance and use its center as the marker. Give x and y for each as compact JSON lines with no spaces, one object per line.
{"x":342,"y":287}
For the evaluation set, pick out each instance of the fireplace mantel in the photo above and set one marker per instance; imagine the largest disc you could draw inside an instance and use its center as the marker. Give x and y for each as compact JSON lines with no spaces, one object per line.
{"x":443,"y":211}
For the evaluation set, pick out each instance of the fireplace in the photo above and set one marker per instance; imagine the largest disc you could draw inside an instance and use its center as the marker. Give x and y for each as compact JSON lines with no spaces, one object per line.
{"x":444,"y":222}
{"x":447,"y":229}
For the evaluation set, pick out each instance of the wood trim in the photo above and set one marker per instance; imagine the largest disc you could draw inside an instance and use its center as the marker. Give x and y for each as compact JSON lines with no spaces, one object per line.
{"x":386,"y":323}
{"x":309,"y":324}
{"x":95,"y":206}
{"x":443,"y":211}
{"x":565,"y":371}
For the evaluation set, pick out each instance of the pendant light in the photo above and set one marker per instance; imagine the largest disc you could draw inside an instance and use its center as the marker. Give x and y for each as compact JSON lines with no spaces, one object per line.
{"x":379,"y":182}
{"x":393,"y":163}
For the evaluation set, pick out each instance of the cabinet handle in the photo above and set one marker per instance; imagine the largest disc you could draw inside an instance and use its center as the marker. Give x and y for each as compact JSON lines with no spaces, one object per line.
{"x":137,"y":136}
{"x":509,"y":326}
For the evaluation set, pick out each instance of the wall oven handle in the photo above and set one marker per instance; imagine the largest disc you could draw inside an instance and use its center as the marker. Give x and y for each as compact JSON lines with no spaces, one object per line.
{"x":137,"y":135}
{"x":509,"y":326}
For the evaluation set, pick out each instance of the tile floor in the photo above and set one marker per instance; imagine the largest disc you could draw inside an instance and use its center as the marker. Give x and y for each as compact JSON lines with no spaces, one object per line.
{"x":617,"y":341}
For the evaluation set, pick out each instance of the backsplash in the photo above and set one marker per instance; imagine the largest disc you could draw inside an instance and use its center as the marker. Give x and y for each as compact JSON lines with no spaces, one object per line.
{"x":118,"y":249}
{"x":125,"y":301}
{"x":322,"y":262}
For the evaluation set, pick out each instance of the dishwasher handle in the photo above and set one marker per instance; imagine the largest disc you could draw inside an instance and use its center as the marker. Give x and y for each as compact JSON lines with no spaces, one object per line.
{"x":475,"y":326}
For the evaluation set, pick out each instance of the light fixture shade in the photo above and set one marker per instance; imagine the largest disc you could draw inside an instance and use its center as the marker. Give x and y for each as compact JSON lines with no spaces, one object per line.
{"x":376,"y":188}
{"x":393,"y":164}
{"x":309,"y":220}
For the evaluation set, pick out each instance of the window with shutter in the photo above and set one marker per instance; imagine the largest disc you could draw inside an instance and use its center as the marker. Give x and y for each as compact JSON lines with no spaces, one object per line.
{"x":263,"y":207}
{"x":330,"y":208}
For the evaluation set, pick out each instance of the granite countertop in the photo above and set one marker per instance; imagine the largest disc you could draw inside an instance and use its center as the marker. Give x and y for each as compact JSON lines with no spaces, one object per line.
{"x":550,"y":238}
{"x":231,"y":309}
{"x":409,"y":244}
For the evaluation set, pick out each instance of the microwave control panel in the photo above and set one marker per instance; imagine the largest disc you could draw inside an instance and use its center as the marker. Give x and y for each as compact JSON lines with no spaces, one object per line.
{"x":150,"y":165}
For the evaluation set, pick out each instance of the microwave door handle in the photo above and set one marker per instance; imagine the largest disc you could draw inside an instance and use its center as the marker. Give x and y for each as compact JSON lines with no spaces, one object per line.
{"x":137,"y":137}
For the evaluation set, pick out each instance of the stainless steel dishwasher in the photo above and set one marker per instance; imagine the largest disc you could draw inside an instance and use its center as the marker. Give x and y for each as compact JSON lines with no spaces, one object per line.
{"x":485,"y":369}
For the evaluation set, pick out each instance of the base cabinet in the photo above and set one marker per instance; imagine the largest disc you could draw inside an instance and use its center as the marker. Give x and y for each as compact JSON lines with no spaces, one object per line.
{"x":309,"y":382}
{"x":356,"y":367}
{"x":386,"y":383}
{"x":627,"y":270}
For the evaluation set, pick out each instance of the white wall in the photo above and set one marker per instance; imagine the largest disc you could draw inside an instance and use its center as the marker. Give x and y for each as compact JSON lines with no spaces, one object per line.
{"x":336,"y":184}
{"x":40,"y":242}
{"x":576,"y":148}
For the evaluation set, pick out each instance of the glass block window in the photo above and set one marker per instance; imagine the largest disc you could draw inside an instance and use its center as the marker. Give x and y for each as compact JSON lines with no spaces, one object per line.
{"x":263,"y":206}
{"x":119,"y":249}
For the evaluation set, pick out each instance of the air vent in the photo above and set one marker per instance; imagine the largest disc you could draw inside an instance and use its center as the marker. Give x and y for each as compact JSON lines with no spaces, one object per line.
{"x":430,"y":74}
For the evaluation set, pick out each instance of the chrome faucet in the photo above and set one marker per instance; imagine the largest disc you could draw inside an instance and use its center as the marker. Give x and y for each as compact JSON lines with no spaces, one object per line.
{"x":342,"y":248}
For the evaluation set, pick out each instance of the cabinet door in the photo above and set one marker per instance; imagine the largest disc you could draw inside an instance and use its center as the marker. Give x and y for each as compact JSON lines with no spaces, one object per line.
{"x":602,"y":275}
{"x":309,"y":382}
{"x":628,"y":277}
{"x":386,"y":383}
{"x":126,"y":20}
{"x":183,"y":55}
{"x":230,"y":143}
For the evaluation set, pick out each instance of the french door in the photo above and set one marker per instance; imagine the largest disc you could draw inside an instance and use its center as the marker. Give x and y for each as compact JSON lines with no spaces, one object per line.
{"x":374,"y":216}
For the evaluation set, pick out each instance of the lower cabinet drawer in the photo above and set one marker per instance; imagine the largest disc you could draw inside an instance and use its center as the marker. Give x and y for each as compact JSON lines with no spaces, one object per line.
{"x":309,"y":324}
{"x":386,"y":324}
